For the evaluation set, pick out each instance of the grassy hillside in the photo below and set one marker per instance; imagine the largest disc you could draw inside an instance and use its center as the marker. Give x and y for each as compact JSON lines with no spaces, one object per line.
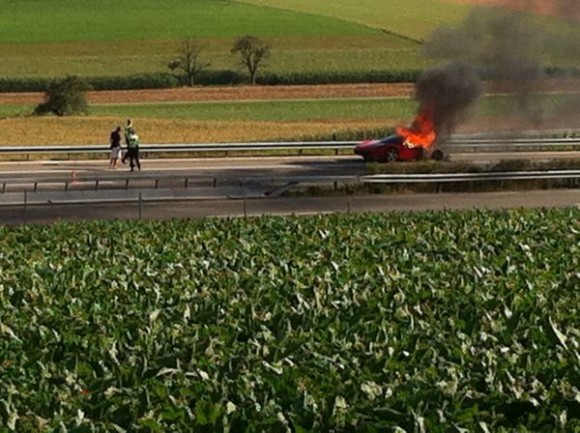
{"x":109,"y":20}
{"x":413,"y":19}
{"x":296,"y":54}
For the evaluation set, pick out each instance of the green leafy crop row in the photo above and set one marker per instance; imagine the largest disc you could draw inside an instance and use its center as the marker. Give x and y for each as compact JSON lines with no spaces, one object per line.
{"x":215,"y":78}
{"x":436,"y":321}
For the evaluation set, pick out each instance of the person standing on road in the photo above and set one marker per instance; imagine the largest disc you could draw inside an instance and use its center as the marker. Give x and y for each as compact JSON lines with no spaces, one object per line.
{"x":115,"y":141}
{"x":133,"y":150}
{"x":128,"y":128}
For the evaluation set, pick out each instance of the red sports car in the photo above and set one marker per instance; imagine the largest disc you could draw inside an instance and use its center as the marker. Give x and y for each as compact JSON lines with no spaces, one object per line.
{"x":393,"y":148}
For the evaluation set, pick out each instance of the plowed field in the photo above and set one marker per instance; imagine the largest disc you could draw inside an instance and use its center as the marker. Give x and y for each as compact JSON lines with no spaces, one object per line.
{"x":228,"y":93}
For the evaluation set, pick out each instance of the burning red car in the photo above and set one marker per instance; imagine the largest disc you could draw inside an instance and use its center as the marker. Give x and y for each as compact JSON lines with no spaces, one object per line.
{"x":408,"y":144}
{"x":388,"y":149}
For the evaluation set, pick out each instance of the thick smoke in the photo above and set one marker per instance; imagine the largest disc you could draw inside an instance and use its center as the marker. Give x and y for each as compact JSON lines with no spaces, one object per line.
{"x":569,"y":9}
{"x":510,"y":50}
{"x":448,"y":92}
{"x":500,"y":45}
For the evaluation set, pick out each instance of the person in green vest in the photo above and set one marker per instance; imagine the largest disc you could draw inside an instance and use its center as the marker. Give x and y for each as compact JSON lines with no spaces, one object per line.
{"x":128,"y":128}
{"x":133,"y":150}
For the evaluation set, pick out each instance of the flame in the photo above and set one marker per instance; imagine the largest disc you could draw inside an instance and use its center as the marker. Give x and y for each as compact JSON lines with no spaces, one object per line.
{"x":422,"y":130}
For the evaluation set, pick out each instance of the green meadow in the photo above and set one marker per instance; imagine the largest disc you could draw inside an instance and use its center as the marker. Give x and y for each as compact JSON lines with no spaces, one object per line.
{"x":412,"y":19}
{"x":109,"y":20}
{"x":108,"y":59}
{"x":316,"y":110}
{"x":268,"y":111}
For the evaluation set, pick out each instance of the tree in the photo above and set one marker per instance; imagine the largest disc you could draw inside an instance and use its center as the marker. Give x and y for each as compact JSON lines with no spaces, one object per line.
{"x":64,"y":97}
{"x":253,"y":52}
{"x":189,"y":61}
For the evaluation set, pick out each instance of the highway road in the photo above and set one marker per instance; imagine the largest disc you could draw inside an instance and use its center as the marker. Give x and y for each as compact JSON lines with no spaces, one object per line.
{"x":210,"y":202}
{"x":250,"y":166}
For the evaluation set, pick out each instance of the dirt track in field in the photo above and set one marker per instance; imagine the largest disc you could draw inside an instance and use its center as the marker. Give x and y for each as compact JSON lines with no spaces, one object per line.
{"x":223,"y":93}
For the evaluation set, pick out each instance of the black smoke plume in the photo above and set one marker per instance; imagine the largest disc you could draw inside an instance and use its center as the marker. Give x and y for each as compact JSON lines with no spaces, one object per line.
{"x":510,"y":51}
{"x":448,"y":92}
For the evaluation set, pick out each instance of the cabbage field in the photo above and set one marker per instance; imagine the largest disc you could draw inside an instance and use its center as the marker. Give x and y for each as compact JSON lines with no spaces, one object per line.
{"x":397,"y":322}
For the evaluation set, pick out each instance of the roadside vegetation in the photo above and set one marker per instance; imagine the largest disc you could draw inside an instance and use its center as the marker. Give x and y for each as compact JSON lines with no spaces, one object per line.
{"x":431,"y":321}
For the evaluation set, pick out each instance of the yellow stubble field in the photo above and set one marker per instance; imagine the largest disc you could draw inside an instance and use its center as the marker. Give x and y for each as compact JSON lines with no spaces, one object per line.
{"x":78,"y":130}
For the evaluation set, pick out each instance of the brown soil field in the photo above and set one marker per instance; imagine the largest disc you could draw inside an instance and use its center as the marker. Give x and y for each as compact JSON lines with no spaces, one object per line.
{"x":240,"y":93}
{"x":228,"y":93}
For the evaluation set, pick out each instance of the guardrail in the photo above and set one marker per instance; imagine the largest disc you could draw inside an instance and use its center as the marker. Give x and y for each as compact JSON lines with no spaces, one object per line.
{"x":514,"y":144}
{"x":185,"y":147}
{"x":90,"y":189}
{"x":455,"y":144}
{"x":470,"y":177}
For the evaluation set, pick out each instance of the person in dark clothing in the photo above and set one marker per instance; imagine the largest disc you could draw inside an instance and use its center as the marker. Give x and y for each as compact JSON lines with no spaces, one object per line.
{"x":133,"y":150}
{"x":115,"y":141}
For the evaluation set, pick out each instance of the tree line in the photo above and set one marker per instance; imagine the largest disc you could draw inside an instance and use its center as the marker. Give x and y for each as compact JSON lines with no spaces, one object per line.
{"x":252,"y":54}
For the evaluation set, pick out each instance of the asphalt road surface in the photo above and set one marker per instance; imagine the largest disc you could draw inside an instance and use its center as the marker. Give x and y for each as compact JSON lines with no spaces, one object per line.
{"x":287,"y":206}
{"x":251,"y":166}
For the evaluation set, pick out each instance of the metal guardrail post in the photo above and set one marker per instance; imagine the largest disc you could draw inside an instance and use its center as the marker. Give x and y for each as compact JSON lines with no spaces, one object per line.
{"x":140,"y":206}
{"x":25,"y":206}
{"x":245,"y":200}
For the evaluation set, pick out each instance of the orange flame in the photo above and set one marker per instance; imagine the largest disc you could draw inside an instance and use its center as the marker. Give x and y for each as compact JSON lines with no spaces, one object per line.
{"x":422,"y":130}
